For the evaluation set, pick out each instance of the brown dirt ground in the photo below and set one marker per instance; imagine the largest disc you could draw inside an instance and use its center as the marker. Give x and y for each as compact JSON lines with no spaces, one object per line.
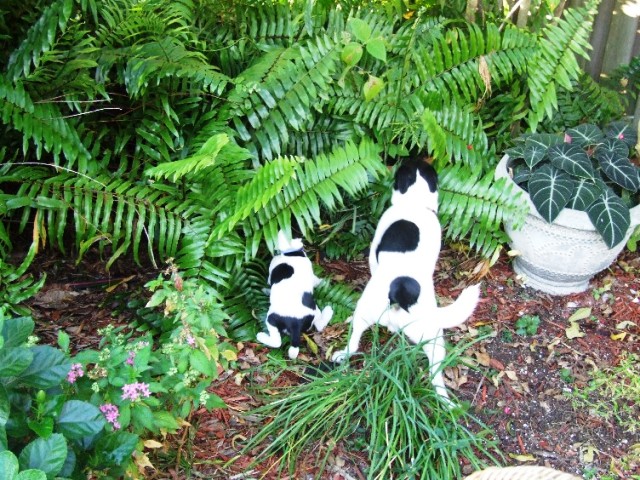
{"x":514,"y":384}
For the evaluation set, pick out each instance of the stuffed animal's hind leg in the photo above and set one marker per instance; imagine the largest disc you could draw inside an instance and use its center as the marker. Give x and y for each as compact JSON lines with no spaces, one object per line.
{"x":322,"y":318}
{"x":435,"y":351}
{"x":272,"y":338}
{"x":370,"y":308}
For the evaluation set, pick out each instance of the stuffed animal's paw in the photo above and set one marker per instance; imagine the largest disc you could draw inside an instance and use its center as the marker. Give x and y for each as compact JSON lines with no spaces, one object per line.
{"x":267,"y":340}
{"x":325,"y":318}
{"x":339,"y":356}
{"x":293,"y":352}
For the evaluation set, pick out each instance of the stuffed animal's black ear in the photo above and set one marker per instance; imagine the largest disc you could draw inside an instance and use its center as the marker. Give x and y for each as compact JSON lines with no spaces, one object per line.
{"x":407,"y":174}
{"x":404,"y":291}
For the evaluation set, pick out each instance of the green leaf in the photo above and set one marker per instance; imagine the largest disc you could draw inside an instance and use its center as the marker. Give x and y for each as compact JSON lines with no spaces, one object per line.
{"x":14,"y":361}
{"x":9,"y":465}
{"x":79,"y":419}
{"x":115,"y":448}
{"x":48,"y":368}
{"x":619,"y":169}
{"x":17,"y":330}
{"x":32,"y":474}
{"x":377,"y":49}
{"x":584,"y":194}
{"x":351,"y":53}
{"x":372,"y":87}
{"x":5,"y":406}
{"x":572,"y":159}
{"x":43,"y":428}
{"x":550,"y":190}
{"x":360,"y":29}
{"x":611,"y":218}
{"x":624,"y":132}
{"x":47,"y":455}
{"x":63,"y":340}
{"x":585,"y":135}
{"x":201,"y":363}
{"x":166,"y":421}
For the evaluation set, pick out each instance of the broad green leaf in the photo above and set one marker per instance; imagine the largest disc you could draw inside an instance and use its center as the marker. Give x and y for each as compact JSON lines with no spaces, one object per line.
{"x":201,"y":363}
{"x":584,"y":194}
{"x":9,"y":465}
{"x":115,"y":448}
{"x":619,"y":169}
{"x":534,"y":153}
{"x":585,"y":135}
{"x":372,"y":87}
{"x":572,"y":159}
{"x":14,"y":361}
{"x":17,"y":330}
{"x":43,"y":428}
{"x":360,"y":29}
{"x":31,"y":474}
{"x":611,"y":218}
{"x":4,"y":443}
{"x":624,"y":132}
{"x":48,"y":368}
{"x":47,"y":455}
{"x":377,"y":49}
{"x":351,"y":53}
{"x":550,"y":190}
{"x":214,"y":401}
{"x":5,"y":406}
{"x":166,"y":421}
{"x":79,"y":419}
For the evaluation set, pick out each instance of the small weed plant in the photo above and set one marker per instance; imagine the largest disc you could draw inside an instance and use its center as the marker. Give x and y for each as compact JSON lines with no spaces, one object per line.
{"x":527,"y":325}
{"x":387,"y":406}
{"x":613,"y":394}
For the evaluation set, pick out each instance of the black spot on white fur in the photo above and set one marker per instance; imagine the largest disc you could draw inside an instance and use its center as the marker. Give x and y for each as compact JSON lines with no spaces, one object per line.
{"x":291,"y":326}
{"x":402,"y":236}
{"x":308,"y":300}
{"x":406,"y":175}
{"x":280,"y":272}
{"x":404,"y":291}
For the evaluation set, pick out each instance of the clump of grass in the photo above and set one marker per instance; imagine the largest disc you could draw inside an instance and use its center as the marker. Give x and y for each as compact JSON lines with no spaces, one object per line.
{"x":613,"y":393}
{"x":409,"y":431}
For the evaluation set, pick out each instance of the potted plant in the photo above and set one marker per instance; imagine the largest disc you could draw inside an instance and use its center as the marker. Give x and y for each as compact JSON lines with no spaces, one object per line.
{"x":583,"y":192}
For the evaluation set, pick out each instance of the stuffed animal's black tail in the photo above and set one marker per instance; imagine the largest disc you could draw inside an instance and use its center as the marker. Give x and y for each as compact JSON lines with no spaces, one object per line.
{"x":404,"y":292}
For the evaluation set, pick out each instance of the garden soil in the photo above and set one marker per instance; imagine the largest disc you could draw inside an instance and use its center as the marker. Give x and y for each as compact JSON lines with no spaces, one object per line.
{"x":516,"y":382}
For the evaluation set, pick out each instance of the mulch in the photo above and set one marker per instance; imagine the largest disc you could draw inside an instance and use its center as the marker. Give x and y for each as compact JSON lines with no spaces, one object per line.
{"x":517,"y":385}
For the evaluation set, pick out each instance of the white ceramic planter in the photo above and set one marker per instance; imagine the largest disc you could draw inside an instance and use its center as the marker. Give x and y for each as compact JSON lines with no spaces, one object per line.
{"x":560,"y":258}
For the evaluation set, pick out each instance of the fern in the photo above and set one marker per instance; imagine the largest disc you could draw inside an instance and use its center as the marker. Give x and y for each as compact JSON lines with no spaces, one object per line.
{"x":555,"y":64}
{"x":476,"y":211}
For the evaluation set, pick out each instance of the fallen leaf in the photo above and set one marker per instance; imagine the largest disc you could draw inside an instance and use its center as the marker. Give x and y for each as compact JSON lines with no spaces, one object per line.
{"x":522,"y":458}
{"x":580,"y":314}
{"x":152,"y":444}
{"x":618,"y":336}
{"x":625,"y":324}
{"x":573,"y":331}
{"x":311,"y":344}
{"x":588,"y":453}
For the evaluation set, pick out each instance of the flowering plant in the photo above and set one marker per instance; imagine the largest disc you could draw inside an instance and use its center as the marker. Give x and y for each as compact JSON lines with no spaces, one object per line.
{"x":585,"y":169}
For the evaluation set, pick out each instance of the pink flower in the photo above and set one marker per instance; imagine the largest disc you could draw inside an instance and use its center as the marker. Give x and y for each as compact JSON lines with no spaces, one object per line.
{"x":134,"y":391}
{"x":507,"y":410}
{"x":75,"y":373}
{"x":132,"y":357}
{"x":621,"y":136}
{"x":567,"y":138}
{"x":111,"y":413}
{"x":191,"y":340}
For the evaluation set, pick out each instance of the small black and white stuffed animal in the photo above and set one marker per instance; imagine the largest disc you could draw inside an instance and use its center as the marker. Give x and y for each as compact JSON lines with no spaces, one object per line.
{"x":400,"y":294}
{"x":292,"y":308}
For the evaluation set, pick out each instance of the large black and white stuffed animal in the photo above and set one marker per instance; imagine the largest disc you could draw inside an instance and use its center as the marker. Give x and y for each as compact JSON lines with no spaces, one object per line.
{"x":292,"y":308}
{"x":400,"y":294}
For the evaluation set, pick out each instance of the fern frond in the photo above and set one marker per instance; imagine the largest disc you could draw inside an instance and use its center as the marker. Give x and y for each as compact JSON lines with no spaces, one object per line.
{"x":341,"y":296}
{"x":302,"y":187}
{"x":40,"y":39}
{"x":476,"y":210}
{"x":43,"y":124}
{"x":279,"y":92}
{"x":555,"y":64}
{"x":112,"y":212}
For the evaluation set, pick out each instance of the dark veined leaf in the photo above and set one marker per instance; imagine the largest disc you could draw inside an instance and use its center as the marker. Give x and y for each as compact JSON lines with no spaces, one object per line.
{"x":584,"y":194}
{"x":551,"y":190}
{"x":534,"y":153}
{"x":572,"y":159}
{"x":585,"y":135}
{"x":611,"y":218}
{"x":623,"y":131}
{"x":614,"y":145}
{"x":619,"y":169}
